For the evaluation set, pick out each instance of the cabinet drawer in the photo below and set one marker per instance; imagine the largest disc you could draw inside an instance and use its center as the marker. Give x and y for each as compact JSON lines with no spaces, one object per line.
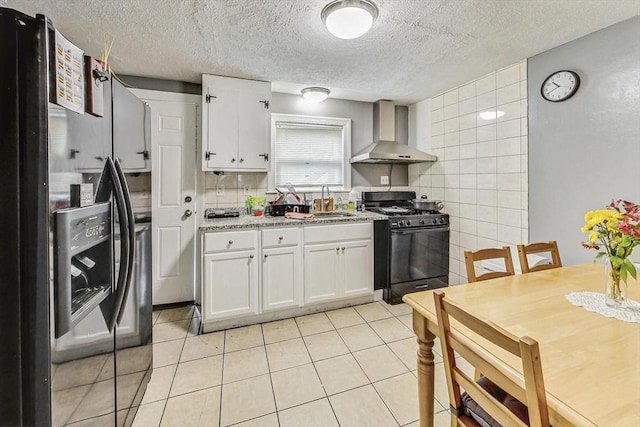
{"x":230,"y":241}
{"x":281,"y":237}
{"x":337,"y":233}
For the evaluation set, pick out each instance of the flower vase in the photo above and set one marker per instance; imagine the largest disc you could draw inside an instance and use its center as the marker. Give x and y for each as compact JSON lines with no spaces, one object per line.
{"x":615,"y":292}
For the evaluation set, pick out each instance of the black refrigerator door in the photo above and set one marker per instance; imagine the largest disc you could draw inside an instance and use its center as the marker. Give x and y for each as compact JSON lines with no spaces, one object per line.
{"x":24,"y":249}
{"x":133,"y":332}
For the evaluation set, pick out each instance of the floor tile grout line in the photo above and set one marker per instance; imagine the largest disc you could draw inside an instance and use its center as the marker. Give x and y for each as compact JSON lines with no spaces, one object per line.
{"x":313,"y":362}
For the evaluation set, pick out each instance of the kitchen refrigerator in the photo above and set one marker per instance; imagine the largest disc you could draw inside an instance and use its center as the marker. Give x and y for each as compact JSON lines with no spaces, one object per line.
{"x":75,"y":312}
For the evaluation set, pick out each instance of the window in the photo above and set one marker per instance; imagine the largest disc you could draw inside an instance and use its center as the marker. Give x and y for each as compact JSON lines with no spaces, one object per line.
{"x":309,"y":152}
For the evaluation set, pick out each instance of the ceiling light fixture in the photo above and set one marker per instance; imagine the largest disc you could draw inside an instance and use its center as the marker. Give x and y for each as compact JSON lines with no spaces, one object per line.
{"x":315,"y":94}
{"x":349,"y":19}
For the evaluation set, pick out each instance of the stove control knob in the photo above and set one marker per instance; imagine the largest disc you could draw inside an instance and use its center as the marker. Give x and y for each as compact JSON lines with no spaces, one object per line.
{"x":435,"y":220}
{"x":441,"y":220}
{"x":408,"y":223}
{"x":422,"y":222}
{"x":401,"y":223}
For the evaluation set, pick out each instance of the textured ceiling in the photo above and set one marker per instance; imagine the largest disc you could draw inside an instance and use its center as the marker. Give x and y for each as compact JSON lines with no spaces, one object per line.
{"x":417,"y":48}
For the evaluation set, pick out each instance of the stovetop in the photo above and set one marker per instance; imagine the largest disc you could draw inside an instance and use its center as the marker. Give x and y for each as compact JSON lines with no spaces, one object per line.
{"x":398,"y":206}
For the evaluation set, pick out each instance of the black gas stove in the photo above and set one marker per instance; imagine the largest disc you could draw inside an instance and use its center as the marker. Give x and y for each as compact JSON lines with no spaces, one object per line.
{"x":411,"y":247}
{"x":398,"y":206}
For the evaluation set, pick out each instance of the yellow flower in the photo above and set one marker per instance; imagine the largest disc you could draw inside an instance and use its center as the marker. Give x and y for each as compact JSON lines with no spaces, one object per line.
{"x":593,"y":236}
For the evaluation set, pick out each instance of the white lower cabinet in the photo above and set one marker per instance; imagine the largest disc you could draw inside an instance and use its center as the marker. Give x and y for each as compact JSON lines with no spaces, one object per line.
{"x":248,"y":272}
{"x":230,"y":275}
{"x":281,"y":269}
{"x":338,"y":262}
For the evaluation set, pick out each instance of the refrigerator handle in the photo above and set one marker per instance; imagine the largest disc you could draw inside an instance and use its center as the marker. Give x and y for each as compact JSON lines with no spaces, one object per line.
{"x":109,"y":185}
{"x":131,"y":236}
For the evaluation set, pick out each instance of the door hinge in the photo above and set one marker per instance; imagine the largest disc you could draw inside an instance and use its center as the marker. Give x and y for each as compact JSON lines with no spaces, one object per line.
{"x":208,"y":154}
{"x":265,"y":155}
{"x":266,"y":104}
{"x":208,"y":98}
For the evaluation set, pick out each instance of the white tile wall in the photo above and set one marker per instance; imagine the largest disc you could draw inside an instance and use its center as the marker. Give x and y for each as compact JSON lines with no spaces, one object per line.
{"x":481,"y":174}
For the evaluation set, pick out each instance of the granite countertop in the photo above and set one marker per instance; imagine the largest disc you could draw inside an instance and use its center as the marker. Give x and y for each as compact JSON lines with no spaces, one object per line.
{"x":249,"y":221}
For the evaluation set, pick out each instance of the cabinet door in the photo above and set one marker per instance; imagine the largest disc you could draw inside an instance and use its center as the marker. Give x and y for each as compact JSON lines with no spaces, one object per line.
{"x":236,"y":128}
{"x":321,"y":272}
{"x":230,"y":284}
{"x":358,"y":267}
{"x":281,"y":278}
{"x":222,"y":113}
{"x":130,"y":130}
{"x":253,"y":128}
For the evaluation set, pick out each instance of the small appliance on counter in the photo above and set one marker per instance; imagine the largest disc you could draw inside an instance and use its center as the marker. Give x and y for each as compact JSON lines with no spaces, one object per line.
{"x":221,"y":213}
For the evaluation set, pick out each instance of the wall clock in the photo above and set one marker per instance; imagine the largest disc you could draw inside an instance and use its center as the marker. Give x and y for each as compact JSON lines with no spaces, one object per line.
{"x":560,"y":86}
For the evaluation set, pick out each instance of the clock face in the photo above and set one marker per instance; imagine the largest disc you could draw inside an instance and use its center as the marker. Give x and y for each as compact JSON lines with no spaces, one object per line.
{"x":560,"y":85}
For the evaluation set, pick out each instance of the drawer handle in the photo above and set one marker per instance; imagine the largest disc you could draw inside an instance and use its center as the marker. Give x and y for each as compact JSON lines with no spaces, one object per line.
{"x":251,"y":256}
{"x":231,"y":242}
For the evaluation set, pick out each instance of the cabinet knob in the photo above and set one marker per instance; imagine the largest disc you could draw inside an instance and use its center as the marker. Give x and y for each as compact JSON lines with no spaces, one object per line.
{"x":250,"y":256}
{"x":266,"y":255}
{"x":231,"y":242}
{"x":337,"y":249}
{"x":241,"y":160}
{"x":281,"y":238}
{"x":233,"y":160}
{"x":342,"y":249}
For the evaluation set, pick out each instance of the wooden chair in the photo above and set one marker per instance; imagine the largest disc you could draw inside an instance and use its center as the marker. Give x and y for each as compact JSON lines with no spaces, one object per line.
{"x":502,"y":395}
{"x":534,"y":248}
{"x":483,"y":254}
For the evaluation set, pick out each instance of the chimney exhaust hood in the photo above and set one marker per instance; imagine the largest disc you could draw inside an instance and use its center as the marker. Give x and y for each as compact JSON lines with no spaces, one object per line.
{"x":385,"y":149}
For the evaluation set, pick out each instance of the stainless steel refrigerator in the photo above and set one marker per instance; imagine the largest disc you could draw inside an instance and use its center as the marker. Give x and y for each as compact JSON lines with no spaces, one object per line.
{"x":75,"y":310}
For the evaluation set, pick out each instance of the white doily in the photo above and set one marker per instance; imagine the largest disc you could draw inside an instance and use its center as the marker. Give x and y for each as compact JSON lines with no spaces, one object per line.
{"x":594,"y":301}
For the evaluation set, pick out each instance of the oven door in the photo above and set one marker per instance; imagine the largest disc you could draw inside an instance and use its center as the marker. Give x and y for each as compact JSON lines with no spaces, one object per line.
{"x":419,"y":254}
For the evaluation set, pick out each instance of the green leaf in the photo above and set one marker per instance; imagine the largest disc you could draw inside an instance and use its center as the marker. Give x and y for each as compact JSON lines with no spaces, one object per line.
{"x":616,"y":262}
{"x":630,"y":268}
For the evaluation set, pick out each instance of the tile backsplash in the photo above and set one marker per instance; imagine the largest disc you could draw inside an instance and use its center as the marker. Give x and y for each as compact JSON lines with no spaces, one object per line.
{"x":227,"y":190}
{"x":479,"y":133}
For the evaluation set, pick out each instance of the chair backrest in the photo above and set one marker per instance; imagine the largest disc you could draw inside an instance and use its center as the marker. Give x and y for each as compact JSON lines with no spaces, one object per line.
{"x":527,"y":388}
{"x":483,"y":254}
{"x":535,"y":248}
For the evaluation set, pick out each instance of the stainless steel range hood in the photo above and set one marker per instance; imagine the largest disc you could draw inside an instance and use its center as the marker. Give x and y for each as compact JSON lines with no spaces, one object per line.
{"x":385,"y":149}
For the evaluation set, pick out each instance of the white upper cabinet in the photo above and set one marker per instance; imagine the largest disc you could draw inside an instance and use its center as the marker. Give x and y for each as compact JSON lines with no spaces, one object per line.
{"x":235,"y":129}
{"x":131,"y":130}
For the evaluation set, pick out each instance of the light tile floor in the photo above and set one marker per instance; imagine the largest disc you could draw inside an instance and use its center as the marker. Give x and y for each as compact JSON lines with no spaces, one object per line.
{"x":354,"y":366}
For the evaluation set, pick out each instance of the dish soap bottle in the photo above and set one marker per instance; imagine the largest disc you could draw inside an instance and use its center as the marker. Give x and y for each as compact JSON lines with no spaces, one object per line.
{"x":353,"y":200}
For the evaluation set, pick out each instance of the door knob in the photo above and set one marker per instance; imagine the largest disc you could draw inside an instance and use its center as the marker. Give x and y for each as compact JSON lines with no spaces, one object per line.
{"x":188,"y":213}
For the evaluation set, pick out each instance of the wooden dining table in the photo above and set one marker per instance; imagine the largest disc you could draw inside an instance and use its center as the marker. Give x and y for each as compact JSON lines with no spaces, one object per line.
{"x":591,"y":363}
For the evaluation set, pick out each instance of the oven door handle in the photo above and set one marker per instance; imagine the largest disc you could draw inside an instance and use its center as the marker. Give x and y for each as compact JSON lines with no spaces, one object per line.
{"x":420,"y":230}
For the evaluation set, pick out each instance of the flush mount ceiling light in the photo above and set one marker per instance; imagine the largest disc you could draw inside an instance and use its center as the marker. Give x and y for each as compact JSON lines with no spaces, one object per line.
{"x":349,"y":19}
{"x":315,"y":94}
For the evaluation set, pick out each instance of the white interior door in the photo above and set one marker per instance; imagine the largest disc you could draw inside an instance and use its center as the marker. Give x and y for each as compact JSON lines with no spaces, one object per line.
{"x":173,"y":146}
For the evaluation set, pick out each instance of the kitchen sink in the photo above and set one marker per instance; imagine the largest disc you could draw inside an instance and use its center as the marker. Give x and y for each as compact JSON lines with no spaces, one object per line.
{"x":334,"y":214}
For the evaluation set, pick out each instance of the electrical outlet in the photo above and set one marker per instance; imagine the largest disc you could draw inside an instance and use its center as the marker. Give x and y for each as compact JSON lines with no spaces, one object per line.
{"x":384,"y":180}
{"x":247,"y":190}
{"x":220,"y":190}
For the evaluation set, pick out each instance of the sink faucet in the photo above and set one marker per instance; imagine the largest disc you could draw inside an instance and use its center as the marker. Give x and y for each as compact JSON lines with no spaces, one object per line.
{"x":322,"y":196}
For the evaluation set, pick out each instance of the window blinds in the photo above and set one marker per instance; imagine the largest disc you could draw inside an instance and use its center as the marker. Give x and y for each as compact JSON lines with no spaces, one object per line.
{"x":308,"y":155}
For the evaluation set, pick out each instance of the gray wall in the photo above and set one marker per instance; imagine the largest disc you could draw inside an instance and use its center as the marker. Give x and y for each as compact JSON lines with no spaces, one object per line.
{"x":361,"y":115}
{"x":585,"y":151}
{"x":161,"y":85}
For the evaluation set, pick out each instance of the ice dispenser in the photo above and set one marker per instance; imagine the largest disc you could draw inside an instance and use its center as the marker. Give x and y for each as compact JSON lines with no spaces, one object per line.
{"x":83,"y":263}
